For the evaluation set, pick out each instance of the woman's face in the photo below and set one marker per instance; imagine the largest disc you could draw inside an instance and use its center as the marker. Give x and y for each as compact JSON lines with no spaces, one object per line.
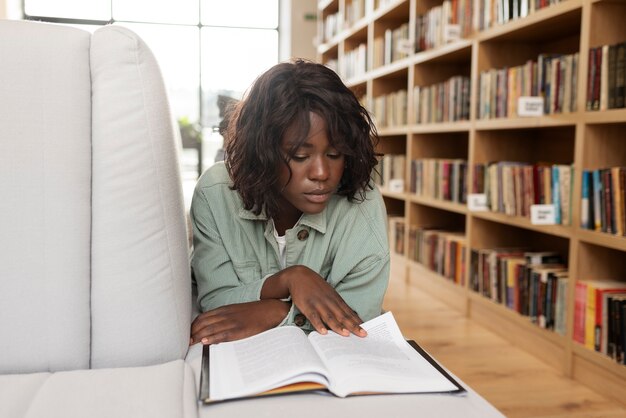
{"x":316,"y":170}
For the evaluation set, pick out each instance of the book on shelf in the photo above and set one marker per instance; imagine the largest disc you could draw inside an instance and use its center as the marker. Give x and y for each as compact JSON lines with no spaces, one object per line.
{"x":603,"y":204}
{"x":606,"y":77}
{"x":396,"y":231}
{"x":594,"y":325}
{"x":285,"y":360}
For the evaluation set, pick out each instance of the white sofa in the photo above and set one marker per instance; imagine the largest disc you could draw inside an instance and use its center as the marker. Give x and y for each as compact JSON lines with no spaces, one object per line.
{"x":95,"y":303}
{"x":95,"y":300}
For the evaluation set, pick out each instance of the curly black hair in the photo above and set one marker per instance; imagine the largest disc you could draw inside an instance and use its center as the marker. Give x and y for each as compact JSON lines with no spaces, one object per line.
{"x":281,"y":97}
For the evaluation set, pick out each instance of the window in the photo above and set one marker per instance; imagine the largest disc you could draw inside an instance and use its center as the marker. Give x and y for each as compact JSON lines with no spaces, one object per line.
{"x":205,"y":48}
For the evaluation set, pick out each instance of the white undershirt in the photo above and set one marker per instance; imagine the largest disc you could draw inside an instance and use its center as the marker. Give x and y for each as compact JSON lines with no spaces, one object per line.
{"x":281,"y":240}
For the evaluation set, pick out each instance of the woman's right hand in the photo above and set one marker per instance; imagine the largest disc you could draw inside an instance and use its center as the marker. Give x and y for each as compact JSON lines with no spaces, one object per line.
{"x":315,"y":298}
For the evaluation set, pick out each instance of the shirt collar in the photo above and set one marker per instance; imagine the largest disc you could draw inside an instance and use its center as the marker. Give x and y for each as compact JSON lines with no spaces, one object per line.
{"x":316,"y":221}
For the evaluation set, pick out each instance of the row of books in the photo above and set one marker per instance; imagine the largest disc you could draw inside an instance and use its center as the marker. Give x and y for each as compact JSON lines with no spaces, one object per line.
{"x":467,"y":15}
{"x":600,"y":317}
{"x":389,"y":172}
{"x":512,"y":187}
{"x":442,"y":102}
{"x":333,"y":24}
{"x":354,"y":62}
{"x":606,"y":77}
{"x":603,"y":200}
{"x":390,"y":109}
{"x":551,"y":76}
{"x":437,"y":178}
{"x":356,"y":10}
{"x":455,"y":19}
{"x":443,"y":24}
{"x":439,"y":250}
{"x":534,"y":284}
{"x":392,"y":46}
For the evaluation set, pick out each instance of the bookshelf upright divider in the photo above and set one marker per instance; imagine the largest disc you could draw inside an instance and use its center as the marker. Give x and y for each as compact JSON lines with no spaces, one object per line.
{"x":470,"y":177}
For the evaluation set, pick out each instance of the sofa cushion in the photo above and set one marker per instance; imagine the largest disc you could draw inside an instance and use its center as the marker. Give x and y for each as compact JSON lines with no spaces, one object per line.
{"x":167,"y":390}
{"x":45,"y":199}
{"x":140,"y":299}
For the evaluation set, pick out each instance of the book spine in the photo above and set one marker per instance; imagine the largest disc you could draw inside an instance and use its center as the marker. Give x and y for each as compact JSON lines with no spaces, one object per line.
{"x":590,"y":316}
{"x":612,"y":67}
{"x":584,"y":201}
{"x":620,"y":75}
{"x":559,"y":316}
{"x":597,"y":190}
{"x":556,"y":198}
{"x":580,"y":300}
{"x":608,"y":201}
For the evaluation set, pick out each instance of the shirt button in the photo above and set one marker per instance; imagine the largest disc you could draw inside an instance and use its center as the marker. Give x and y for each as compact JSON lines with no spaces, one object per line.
{"x":299,"y":319}
{"x":303,"y":234}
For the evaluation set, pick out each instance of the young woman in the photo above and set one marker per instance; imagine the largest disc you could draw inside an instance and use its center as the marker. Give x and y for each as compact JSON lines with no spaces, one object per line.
{"x":289,"y":230}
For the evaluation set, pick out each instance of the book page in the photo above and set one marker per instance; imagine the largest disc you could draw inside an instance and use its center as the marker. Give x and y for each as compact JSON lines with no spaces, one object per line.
{"x":381,"y":362}
{"x":274,"y":358}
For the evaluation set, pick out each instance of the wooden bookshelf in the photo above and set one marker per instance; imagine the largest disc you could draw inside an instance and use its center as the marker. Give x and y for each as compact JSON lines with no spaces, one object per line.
{"x":584,"y":139}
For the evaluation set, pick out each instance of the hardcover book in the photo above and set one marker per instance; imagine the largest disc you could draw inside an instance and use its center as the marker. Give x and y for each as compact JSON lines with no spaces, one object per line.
{"x":285,"y":360}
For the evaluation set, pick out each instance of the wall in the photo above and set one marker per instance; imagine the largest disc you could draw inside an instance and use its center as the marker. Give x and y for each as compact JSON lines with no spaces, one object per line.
{"x":297,"y":32}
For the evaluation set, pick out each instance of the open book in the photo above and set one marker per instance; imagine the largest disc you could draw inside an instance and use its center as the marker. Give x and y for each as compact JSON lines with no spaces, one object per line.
{"x":286,"y":360}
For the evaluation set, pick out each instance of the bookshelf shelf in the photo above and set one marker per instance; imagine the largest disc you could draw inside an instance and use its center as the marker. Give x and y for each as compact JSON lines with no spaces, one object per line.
{"x":545,"y":344}
{"x":325,"y":4}
{"x":393,"y":195}
{"x":390,"y":69}
{"x":430,"y":76}
{"x":449,"y":52}
{"x":600,"y":360}
{"x":602,"y":239}
{"x":520,"y":320}
{"x":606,"y":116}
{"x":521,"y":123}
{"x":521,"y":222}
{"x":395,"y":9}
{"x":448,"y":291}
{"x":437,"y":203}
{"x":463,"y":126}
{"x":393,"y":130}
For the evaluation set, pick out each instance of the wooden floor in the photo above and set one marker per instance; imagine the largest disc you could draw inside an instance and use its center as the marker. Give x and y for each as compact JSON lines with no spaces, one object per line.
{"x":516,"y":383}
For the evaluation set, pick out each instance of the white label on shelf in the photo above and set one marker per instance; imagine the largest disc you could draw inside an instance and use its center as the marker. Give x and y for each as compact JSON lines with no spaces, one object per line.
{"x":477,"y":202}
{"x":396,"y":185}
{"x":405,"y":46}
{"x":542,"y":215}
{"x":530,"y":106}
{"x":451,"y":33}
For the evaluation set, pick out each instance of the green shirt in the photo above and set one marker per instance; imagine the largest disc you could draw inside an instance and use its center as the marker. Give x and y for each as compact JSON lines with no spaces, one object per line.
{"x":235,"y":250}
